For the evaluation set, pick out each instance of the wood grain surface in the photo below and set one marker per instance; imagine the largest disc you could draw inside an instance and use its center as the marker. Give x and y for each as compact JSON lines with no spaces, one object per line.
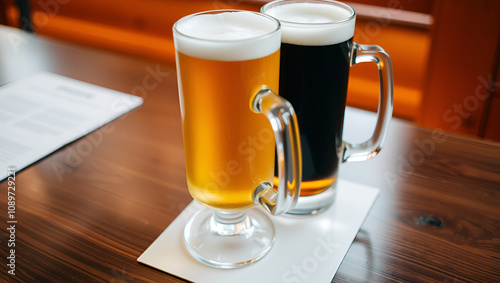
{"x":85,"y":215}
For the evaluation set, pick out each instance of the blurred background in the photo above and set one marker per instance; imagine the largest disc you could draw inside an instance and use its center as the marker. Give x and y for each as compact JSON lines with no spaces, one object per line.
{"x":445,"y":53}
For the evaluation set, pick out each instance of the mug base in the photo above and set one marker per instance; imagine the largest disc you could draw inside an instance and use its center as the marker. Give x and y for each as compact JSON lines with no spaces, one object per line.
{"x":313,"y":205}
{"x":229,"y":245}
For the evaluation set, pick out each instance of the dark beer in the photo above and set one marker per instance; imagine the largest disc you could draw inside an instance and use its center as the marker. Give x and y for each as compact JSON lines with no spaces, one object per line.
{"x":315,"y":50}
{"x":314,"y":79}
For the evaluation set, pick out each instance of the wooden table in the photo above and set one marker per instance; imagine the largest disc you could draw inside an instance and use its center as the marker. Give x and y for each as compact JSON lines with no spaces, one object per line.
{"x":437,"y":217}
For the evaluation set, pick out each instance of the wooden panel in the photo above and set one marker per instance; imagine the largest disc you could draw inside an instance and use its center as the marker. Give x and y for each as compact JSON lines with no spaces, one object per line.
{"x":142,"y":28}
{"x":492,"y":122}
{"x":110,"y":37}
{"x":125,"y":26}
{"x":496,"y":83}
{"x":492,"y":131}
{"x":461,"y":60}
{"x":394,"y":14}
{"x":145,"y":28}
{"x":146,"y":16}
{"x":3,"y":13}
{"x":420,"y":6}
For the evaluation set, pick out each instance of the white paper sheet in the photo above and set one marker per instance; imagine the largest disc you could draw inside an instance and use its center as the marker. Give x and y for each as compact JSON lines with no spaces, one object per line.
{"x":44,"y":112}
{"x":307,"y":249}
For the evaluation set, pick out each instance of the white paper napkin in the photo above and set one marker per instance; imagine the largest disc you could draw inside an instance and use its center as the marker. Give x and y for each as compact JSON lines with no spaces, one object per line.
{"x":307,"y":249}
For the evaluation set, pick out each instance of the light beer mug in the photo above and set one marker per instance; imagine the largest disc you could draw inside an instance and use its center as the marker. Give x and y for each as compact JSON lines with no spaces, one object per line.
{"x":227,"y":69}
{"x":317,"y":52}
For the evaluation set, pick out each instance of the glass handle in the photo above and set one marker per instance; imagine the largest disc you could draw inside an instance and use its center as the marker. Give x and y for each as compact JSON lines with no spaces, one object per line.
{"x":286,"y":132}
{"x":370,"y":148}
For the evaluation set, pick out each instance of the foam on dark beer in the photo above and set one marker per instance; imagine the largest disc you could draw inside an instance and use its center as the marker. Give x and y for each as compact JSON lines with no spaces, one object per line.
{"x":230,"y":36}
{"x":311,"y":24}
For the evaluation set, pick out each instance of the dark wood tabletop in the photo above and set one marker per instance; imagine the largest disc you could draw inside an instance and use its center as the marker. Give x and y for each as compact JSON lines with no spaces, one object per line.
{"x":87,"y":216}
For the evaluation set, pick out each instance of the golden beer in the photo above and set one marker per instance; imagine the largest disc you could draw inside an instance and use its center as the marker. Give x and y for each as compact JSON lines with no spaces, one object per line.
{"x":232,"y":123}
{"x":229,"y":148}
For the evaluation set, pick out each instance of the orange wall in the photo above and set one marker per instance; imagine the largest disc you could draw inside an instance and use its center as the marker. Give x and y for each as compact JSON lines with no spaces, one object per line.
{"x":144,"y":28}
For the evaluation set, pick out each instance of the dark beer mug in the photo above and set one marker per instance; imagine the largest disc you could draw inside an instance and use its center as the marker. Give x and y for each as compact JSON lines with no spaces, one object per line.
{"x":317,"y":52}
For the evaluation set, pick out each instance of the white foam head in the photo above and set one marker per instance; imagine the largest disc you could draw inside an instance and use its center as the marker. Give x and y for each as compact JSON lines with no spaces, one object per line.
{"x":227,"y":35}
{"x":313,"y":22}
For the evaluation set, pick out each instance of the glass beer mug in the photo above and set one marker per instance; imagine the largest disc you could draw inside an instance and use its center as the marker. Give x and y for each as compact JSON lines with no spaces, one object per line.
{"x":232,"y":122}
{"x":317,"y":52}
